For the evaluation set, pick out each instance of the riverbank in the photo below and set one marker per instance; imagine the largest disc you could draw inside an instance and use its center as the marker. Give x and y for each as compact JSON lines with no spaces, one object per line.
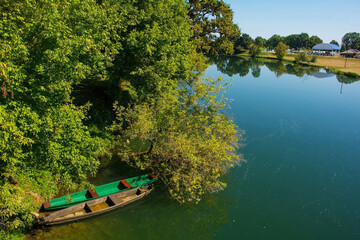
{"x":336,"y":63}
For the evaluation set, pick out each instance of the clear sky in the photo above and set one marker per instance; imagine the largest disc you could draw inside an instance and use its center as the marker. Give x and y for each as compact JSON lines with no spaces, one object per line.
{"x":329,"y":20}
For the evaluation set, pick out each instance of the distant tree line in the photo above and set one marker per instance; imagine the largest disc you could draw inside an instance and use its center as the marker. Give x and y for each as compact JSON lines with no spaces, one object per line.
{"x":244,"y":42}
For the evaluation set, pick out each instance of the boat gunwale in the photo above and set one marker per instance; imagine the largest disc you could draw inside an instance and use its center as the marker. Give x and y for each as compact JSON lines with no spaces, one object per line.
{"x":100,"y":190}
{"x":54,"y":217}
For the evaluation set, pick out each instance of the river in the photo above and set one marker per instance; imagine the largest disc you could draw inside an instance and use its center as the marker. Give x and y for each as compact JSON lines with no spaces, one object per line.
{"x":300,"y":181}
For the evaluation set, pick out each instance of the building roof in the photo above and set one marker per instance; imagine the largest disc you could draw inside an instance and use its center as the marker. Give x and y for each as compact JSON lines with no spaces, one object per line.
{"x":326,"y":46}
{"x":351,"y":51}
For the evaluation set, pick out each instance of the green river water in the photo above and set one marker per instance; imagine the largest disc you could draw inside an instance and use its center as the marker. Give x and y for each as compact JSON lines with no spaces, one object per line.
{"x":302,"y":176}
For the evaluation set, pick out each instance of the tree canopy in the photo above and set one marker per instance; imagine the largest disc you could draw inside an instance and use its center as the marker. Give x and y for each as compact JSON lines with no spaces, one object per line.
{"x":189,"y":143}
{"x":351,"y":41}
{"x":141,"y":54}
{"x":274,"y":41}
{"x":243,"y":43}
{"x":335,"y":42}
{"x":260,"y":41}
{"x":212,"y":26}
{"x":280,"y":50}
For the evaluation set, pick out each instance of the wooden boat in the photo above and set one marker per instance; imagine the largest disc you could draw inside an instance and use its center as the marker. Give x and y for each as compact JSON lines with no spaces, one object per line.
{"x":95,"y":207}
{"x":100,"y":191}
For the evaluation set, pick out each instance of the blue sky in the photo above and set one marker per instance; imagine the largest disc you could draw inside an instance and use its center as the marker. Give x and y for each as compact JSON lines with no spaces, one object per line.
{"x":329,"y":20}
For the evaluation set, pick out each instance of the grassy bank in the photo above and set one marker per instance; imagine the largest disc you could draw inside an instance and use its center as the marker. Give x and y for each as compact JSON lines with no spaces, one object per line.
{"x":337,"y":63}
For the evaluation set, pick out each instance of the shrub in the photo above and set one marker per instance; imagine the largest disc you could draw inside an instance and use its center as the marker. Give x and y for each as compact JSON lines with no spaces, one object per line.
{"x":280,"y":50}
{"x":313,"y":58}
{"x":302,"y":57}
{"x":254,"y":50}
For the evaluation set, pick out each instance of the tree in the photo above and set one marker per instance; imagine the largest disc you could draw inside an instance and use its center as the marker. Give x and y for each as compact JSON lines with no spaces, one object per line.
{"x":212,"y":26}
{"x":334,"y":42}
{"x":47,"y":49}
{"x":260,"y":41}
{"x":313,"y":41}
{"x":140,"y":52}
{"x":274,"y":41}
{"x":254,"y":50}
{"x":189,"y":143}
{"x":280,"y":50}
{"x":243,"y":43}
{"x":297,"y":41}
{"x":351,"y":41}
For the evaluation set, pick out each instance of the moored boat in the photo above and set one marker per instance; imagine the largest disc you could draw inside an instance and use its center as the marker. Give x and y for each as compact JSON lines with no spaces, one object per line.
{"x":95,"y":207}
{"x":100,"y":191}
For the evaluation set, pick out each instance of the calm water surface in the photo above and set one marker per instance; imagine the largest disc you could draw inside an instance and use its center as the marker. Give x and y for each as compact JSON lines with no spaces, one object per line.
{"x":301,"y":179}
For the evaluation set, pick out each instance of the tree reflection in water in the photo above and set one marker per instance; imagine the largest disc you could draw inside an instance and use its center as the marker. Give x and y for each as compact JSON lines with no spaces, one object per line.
{"x":234,"y":65}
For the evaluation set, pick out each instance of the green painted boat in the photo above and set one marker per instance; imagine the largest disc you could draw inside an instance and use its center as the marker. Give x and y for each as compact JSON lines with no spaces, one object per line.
{"x":100,"y":191}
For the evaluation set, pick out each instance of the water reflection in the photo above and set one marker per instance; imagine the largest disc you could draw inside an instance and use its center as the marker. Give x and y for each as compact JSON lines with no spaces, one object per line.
{"x":322,"y":73}
{"x":233,"y":65}
{"x":156,"y":213}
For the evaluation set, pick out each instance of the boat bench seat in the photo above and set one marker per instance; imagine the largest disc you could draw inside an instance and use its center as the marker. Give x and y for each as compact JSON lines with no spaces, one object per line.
{"x":46,"y":204}
{"x":91,"y":193}
{"x":126,"y":184}
{"x":115,"y":200}
{"x":152,"y":176}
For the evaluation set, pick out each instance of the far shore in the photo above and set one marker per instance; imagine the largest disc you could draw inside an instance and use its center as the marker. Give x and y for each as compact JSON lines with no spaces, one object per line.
{"x":336,"y":62}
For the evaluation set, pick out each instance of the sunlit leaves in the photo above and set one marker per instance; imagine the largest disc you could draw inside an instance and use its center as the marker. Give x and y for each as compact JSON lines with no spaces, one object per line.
{"x":191,"y":142}
{"x":212,"y":26}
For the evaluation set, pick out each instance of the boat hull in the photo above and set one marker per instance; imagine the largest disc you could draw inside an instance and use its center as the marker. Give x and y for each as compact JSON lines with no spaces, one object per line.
{"x":100,"y":191}
{"x":87,"y":209}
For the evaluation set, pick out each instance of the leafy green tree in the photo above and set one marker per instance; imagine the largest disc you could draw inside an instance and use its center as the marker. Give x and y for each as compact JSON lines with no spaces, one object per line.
{"x":190,"y":143}
{"x":351,"y":41}
{"x":335,"y":42}
{"x":243,"y":43}
{"x":260,"y":41}
{"x":297,"y":41}
{"x":254,"y":50}
{"x":136,"y":51}
{"x":313,"y":41}
{"x":212,"y":26}
{"x":302,"y":57}
{"x":280,"y":50}
{"x":274,"y":41}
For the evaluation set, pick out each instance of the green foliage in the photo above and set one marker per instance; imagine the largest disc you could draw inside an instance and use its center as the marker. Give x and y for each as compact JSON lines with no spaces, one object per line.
{"x":313,"y":58}
{"x":274,"y":41}
{"x":254,"y":50}
{"x":297,"y":41}
{"x":280,"y":50}
{"x":302,"y":57}
{"x":140,"y":53}
{"x":351,"y":41}
{"x":243,"y":42}
{"x":192,"y":142}
{"x":212,"y":26}
{"x":260,"y":41}
{"x":334,"y":42}
{"x":313,"y":40}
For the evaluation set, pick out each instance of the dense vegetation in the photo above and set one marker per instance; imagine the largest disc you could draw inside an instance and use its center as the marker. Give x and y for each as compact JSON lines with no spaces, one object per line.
{"x":294,"y":41}
{"x":350,"y":41}
{"x":213,"y":30}
{"x":63,"y":64}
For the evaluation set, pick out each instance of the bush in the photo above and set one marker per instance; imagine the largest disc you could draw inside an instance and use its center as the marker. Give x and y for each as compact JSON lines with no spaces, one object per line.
{"x":254,"y":50}
{"x":280,"y":50}
{"x":302,"y":57}
{"x":313,"y":58}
